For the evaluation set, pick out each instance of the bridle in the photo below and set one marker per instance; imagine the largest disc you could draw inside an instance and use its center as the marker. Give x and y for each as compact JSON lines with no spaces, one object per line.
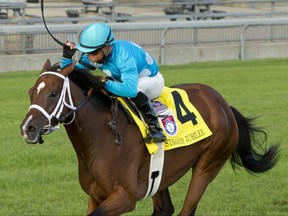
{"x":57,"y":116}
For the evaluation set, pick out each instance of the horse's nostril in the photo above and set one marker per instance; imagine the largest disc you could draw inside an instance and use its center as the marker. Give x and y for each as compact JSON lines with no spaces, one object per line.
{"x":30,"y":129}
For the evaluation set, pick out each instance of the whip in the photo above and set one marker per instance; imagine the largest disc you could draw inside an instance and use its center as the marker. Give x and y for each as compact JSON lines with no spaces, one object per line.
{"x":42,"y":12}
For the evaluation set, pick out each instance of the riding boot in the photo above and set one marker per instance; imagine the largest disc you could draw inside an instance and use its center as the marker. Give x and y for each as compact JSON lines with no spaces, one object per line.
{"x":150,"y":117}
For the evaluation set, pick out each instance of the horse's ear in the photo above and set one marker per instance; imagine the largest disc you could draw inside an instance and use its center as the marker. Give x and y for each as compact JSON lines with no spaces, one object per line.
{"x":46,"y":66}
{"x":65,"y":72}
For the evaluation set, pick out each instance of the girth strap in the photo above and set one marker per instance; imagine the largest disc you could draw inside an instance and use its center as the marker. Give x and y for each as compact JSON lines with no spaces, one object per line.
{"x":112,"y":124}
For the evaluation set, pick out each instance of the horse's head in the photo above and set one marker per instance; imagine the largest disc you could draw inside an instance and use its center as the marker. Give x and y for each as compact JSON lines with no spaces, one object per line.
{"x":48,"y":99}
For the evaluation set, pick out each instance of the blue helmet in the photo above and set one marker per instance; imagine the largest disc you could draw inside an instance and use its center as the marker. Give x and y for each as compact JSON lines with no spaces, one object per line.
{"x":95,"y":36}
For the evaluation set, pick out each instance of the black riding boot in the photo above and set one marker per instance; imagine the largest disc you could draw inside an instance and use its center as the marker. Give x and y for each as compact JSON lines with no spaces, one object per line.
{"x":150,"y":117}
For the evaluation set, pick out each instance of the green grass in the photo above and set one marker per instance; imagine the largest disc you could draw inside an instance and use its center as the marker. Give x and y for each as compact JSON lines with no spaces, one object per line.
{"x":43,"y":179}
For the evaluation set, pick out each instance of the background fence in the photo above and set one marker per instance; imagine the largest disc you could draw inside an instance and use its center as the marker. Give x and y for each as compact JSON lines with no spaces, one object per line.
{"x":35,"y":39}
{"x":177,"y":42}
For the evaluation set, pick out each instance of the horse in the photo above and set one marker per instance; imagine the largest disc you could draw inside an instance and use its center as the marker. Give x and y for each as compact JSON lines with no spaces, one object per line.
{"x":115,"y":176}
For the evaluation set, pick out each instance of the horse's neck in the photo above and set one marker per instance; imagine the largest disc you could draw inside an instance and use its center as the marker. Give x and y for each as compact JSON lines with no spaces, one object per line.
{"x":90,"y":121}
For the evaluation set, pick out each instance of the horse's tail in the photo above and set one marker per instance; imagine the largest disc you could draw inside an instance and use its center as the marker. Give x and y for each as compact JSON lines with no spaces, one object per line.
{"x":258,"y":159}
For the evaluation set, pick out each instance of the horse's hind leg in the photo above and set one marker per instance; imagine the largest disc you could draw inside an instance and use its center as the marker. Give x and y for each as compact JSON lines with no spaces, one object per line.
{"x":162,"y":203}
{"x":193,"y":211}
{"x":202,"y":175}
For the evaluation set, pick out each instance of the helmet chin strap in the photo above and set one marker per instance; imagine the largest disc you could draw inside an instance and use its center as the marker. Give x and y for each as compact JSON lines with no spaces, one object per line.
{"x":106,"y":54}
{"x":108,"y":51}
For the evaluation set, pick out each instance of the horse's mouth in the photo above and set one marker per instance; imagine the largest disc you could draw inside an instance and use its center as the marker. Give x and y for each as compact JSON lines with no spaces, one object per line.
{"x":35,"y":137}
{"x":28,"y":141}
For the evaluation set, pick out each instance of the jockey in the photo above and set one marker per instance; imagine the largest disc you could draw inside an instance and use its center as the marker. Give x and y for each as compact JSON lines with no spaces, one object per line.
{"x":135,"y":72}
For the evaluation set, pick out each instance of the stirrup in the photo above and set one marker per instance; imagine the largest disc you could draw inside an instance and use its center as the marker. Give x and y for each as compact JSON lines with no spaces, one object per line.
{"x":149,"y":138}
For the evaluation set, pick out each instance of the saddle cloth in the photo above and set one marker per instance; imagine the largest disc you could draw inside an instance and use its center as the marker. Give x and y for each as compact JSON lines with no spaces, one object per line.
{"x":180,"y":120}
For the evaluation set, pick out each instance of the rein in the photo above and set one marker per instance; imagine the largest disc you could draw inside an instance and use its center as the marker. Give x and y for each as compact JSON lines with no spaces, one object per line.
{"x":57,"y":116}
{"x":72,"y":111}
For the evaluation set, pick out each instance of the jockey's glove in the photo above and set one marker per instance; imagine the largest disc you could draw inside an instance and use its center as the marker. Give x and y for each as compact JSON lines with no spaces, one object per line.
{"x":100,"y":82}
{"x":68,"y":52}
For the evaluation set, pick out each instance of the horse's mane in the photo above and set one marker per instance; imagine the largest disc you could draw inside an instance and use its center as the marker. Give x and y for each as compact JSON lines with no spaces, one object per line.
{"x":85,"y":81}
{"x":80,"y":77}
{"x":56,"y":67}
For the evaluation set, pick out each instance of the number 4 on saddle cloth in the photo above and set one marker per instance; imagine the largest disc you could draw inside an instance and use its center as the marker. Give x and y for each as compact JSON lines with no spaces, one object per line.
{"x":181,"y":122}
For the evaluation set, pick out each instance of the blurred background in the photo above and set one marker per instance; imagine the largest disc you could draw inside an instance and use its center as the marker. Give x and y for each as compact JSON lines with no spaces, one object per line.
{"x":173,"y":31}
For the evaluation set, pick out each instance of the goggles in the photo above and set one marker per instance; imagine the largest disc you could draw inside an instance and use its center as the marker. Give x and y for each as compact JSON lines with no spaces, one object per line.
{"x":95,"y":52}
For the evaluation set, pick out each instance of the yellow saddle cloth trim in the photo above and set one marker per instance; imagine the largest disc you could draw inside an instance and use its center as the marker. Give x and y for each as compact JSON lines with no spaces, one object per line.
{"x":181,"y":122}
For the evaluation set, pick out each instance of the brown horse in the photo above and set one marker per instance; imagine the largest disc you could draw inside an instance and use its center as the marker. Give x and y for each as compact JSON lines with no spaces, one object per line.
{"x":115,"y":176}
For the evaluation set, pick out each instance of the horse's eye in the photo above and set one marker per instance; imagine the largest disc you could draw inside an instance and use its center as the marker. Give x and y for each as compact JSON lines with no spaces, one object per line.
{"x":54,"y":94}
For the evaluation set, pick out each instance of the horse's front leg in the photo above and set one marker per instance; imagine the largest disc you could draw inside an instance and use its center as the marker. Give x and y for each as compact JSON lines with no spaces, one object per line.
{"x":116,"y":203}
{"x":91,"y":205}
{"x":162,"y":203}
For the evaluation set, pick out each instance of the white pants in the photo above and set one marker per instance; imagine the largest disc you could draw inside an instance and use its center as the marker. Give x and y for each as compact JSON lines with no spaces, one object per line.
{"x":151,"y":86}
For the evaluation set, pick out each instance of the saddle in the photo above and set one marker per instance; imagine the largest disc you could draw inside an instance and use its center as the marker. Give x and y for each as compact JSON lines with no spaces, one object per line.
{"x":180,"y":120}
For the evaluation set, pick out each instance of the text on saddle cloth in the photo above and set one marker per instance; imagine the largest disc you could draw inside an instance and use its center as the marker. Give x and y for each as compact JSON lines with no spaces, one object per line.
{"x":180,"y":120}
